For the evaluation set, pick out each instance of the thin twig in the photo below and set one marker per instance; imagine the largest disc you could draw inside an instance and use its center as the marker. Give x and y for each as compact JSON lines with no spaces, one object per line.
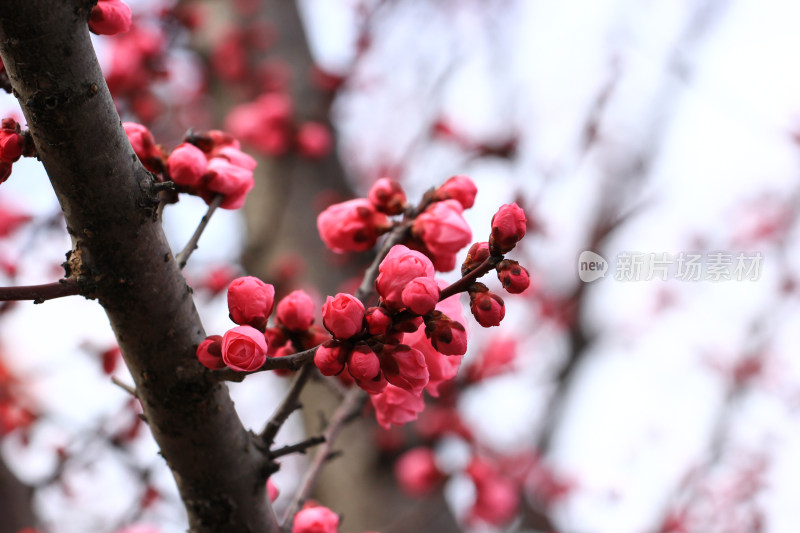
{"x":124,"y":386}
{"x":290,"y":404}
{"x":40,"y":293}
{"x":343,"y":414}
{"x":464,"y":283}
{"x":300,"y":447}
{"x":191,"y":246}
{"x":288,"y":362}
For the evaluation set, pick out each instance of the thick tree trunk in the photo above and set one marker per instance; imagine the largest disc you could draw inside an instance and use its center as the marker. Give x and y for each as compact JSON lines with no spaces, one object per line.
{"x":16,"y":501}
{"x":122,"y":257}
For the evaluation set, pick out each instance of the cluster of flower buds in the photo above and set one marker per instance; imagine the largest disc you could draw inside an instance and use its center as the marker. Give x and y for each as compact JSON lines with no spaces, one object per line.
{"x":246,"y":347}
{"x":110,"y":17}
{"x":13,"y":145}
{"x":438,"y":230}
{"x":266,"y":124}
{"x":206,"y":164}
{"x":414,"y":338}
{"x":508,"y":228}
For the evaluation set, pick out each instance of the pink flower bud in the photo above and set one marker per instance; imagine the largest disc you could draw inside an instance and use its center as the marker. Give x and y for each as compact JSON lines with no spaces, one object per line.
{"x":250,"y":301}
{"x":296,"y":311}
{"x":416,"y":471}
{"x":508,"y":228}
{"x":231,"y":181}
{"x":144,"y":145}
{"x":477,"y":254}
{"x":235,"y":157}
{"x":447,"y":336}
{"x":244,"y":348}
{"x":343,"y":315}
{"x":363,"y":364}
{"x":187,"y":164}
{"x":515,"y":278}
{"x":210,"y":352}
{"x":378,"y":320}
{"x":487,"y":307}
{"x":330,"y":358}
{"x":444,"y":231}
{"x":272,"y":491}
{"x":316,"y":520}
{"x":12,"y":143}
{"x":110,"y":17}
{"x":404,"y":367}
{"x":397,"y":269}
{"x":351,"y":226}
{"x":388,"y":196}
{"x":396,"y":406}
{"x":421,"y":295}
{"x":313,"y":140}
{"x":460,"y":188}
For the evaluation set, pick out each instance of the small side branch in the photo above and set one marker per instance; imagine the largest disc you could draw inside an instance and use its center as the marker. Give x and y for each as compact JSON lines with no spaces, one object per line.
{"x":290,"y":362}
{"x":191,"y":246}
{"x":348,"y":409}
{"x":40,"y":293}
{"x":300,"y":447}
{"x":290,"y":404}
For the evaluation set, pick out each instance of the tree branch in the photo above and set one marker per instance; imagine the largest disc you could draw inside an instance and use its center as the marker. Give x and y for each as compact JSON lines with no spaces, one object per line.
{"x":291,"y":403}
{"x":40,"y":293}
{"x":343,"y":414}
{"x":289,"y":362}
{"x":191,"y":246}
{"x":118,"y":244}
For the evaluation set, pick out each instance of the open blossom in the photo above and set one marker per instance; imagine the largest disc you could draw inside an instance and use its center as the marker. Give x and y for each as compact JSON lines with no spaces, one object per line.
{"x":388,"y":196}
{"x":444,"y":232}
{"x":244,"y":348}
{"x":398,"y":268}
{"x":110,"y":17}
{"x":460,"y":188}
{"x":508,"y":227}
{"x":351,"y":226}
{"x":210,"y":352}
{"x":343,"y":315}
{"x":250,"y":301}
{"x":421,"y":295}
{"x":315,"y":520}
{"x":296,"y":311}
{"x":416,"y":471}
{"x":396,"y":406}
{"x":187,"y":164}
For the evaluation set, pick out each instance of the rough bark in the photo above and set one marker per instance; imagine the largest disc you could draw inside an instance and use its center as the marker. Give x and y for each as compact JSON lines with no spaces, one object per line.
{"x":122,"y":258}
{"x":16,"y":498}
